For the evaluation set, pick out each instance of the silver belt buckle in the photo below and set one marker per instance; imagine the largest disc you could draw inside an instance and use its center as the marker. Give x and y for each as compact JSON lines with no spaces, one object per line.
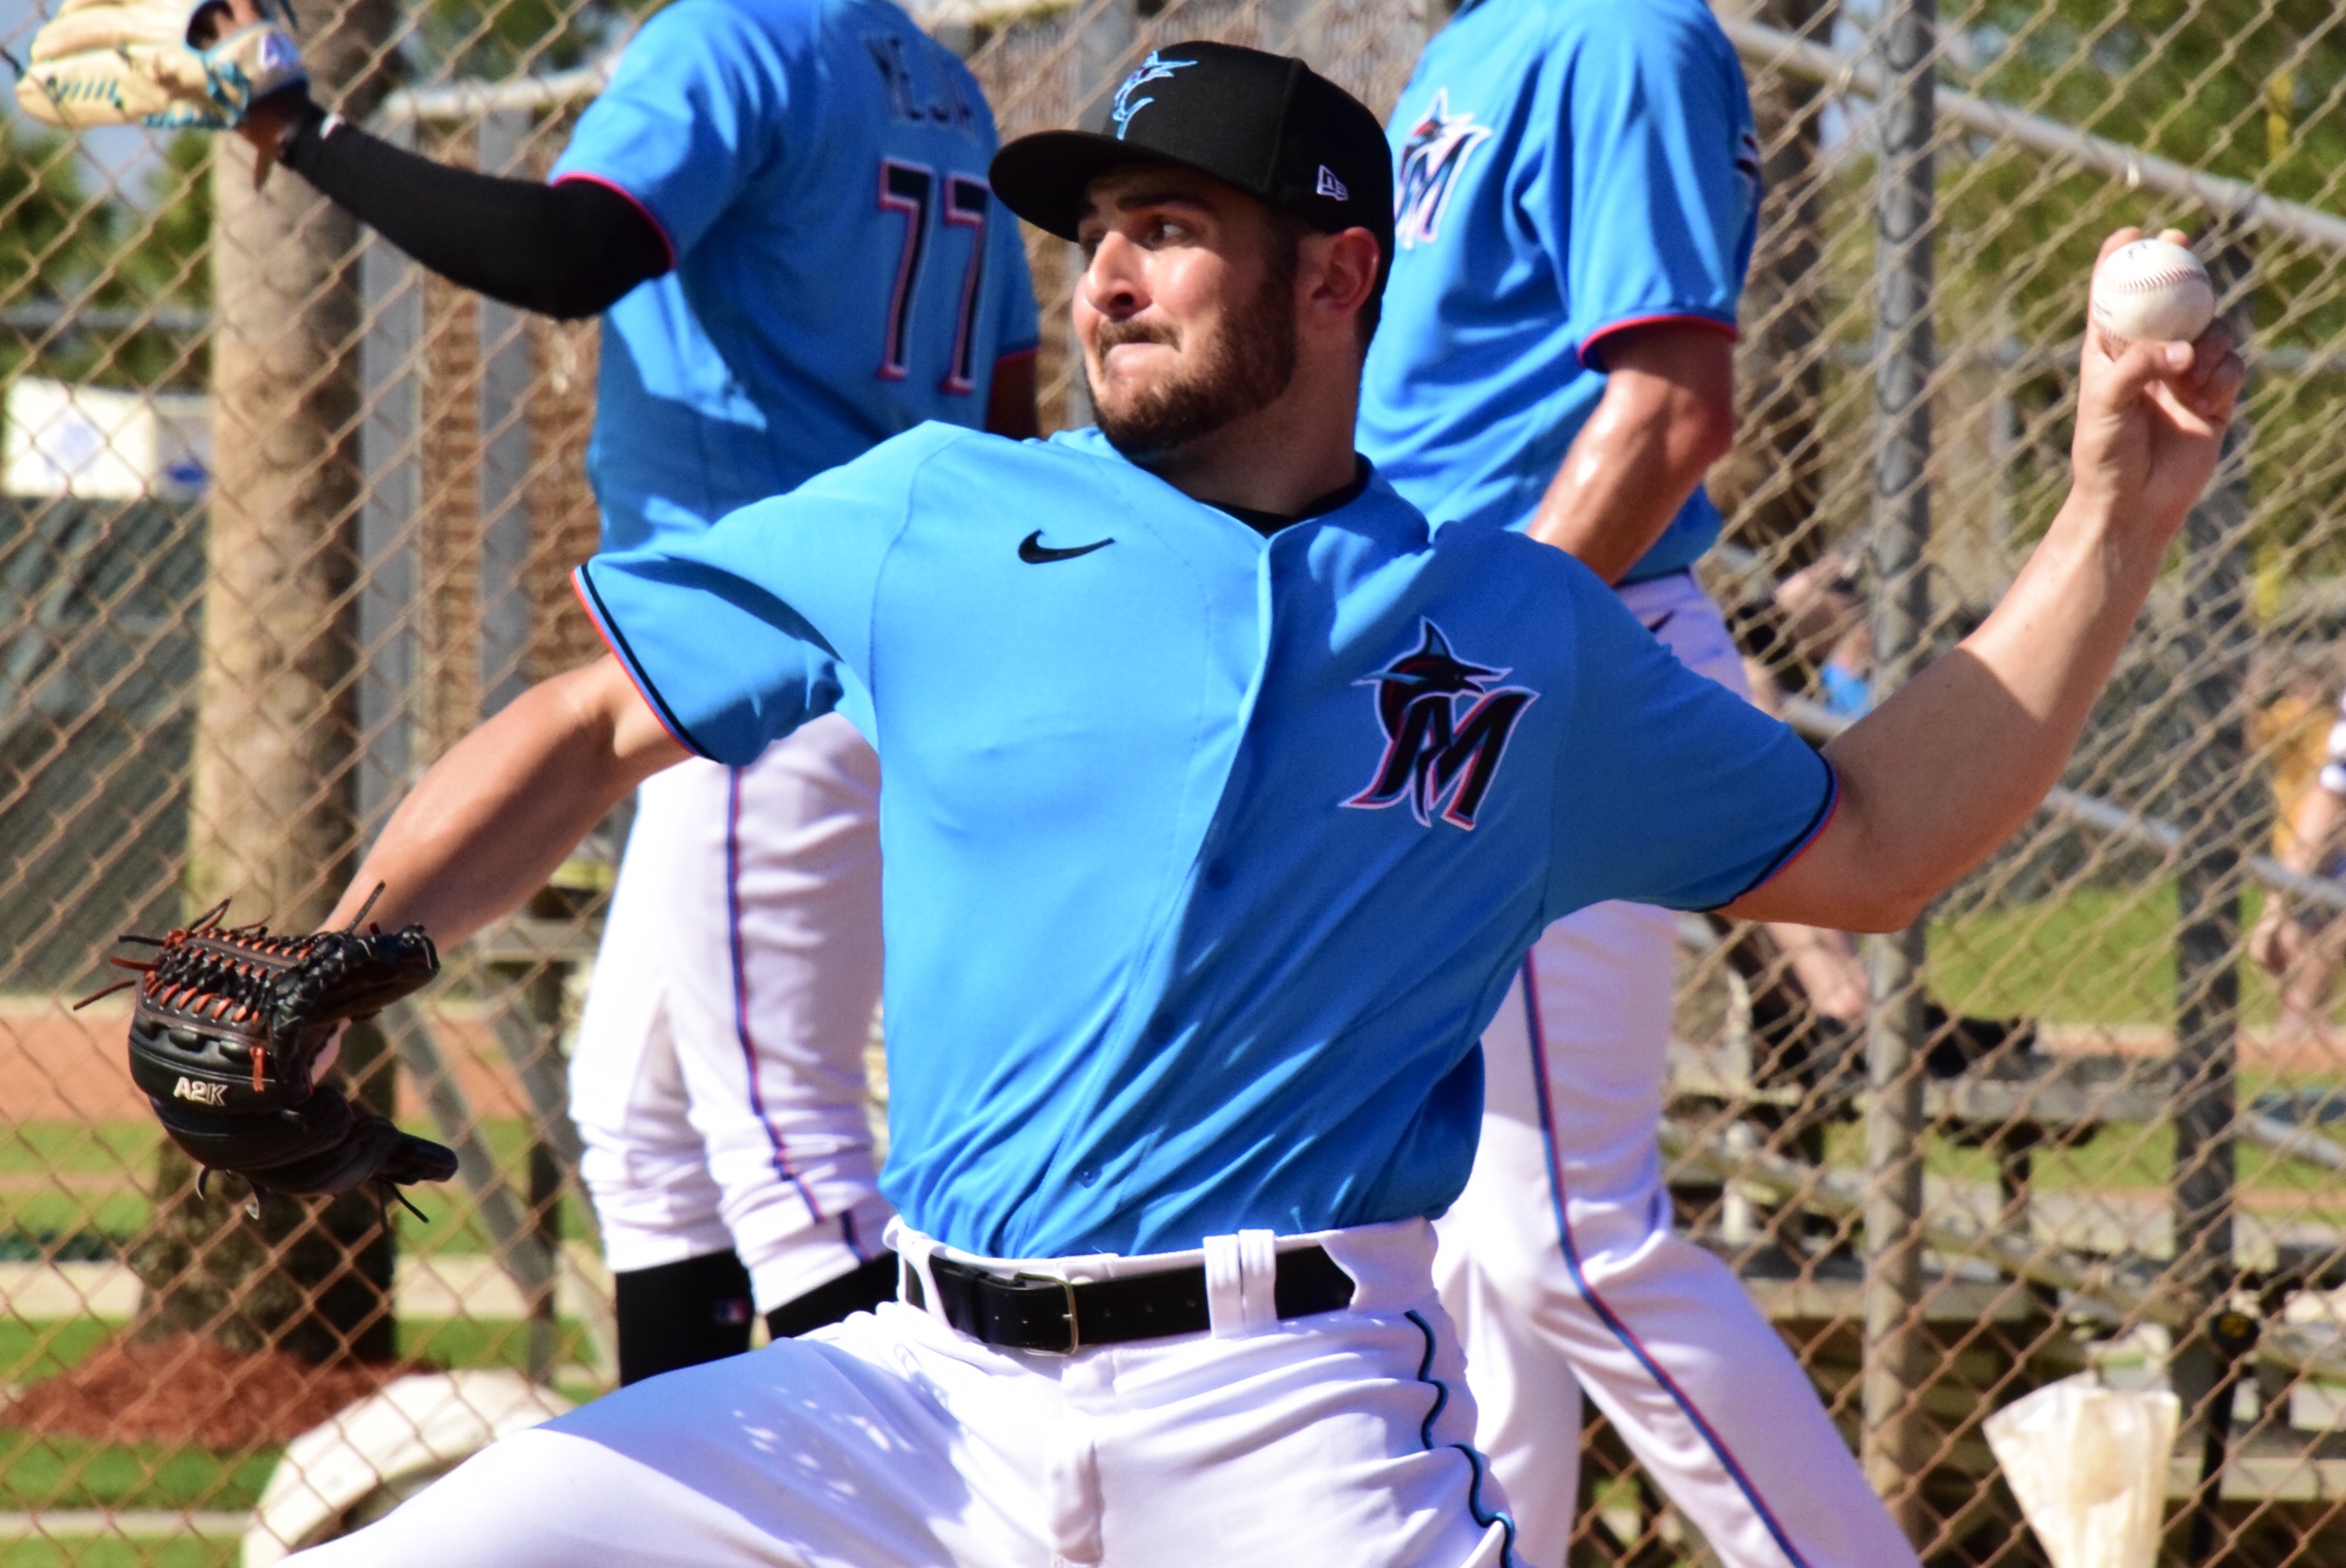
{"x":1067,"y":1289}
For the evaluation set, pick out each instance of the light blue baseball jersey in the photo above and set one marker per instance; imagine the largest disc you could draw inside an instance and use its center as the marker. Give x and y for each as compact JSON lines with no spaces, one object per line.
{"x":1208,"y":855}
{"x":1565,"y":169}
{"x":843,"y":271}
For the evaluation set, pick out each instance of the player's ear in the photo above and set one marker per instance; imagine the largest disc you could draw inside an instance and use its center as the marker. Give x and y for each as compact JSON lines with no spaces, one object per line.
{"x":1339,"y":271}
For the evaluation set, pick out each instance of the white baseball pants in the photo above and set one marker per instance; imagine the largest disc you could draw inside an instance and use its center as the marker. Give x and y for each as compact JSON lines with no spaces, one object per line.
{"x":718,"y":1083}
{"x":1560,"y":1266}
{"x":889,"y":1440}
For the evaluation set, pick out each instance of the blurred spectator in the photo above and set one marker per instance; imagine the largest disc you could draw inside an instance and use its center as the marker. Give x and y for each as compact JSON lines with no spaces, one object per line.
{"x":2303,"y":948}
{"x":1825,"y":617}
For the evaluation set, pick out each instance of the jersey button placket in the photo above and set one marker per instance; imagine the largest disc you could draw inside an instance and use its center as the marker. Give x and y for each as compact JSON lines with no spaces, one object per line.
{"x":1219,"y":873}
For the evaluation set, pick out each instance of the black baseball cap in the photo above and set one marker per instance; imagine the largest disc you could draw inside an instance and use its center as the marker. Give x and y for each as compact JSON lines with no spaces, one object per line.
{"x":1267,"y":124}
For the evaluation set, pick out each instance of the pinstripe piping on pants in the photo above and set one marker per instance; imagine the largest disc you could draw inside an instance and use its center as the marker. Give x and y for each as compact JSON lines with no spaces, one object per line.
{"x":1621,"y":1331}
{"x":1481,"y":1515}
{"x":740,"y":988}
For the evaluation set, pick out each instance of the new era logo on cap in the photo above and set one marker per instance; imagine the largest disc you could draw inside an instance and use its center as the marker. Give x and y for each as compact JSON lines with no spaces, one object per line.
{"x":1330,"y":185}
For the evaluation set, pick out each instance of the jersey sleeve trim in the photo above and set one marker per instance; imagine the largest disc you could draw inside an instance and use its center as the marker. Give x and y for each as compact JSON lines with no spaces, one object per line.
{"x":616,"y":642}
{"x":667,"y":243}
{"x":1686,"y":318}
{"x":1801,"y":843}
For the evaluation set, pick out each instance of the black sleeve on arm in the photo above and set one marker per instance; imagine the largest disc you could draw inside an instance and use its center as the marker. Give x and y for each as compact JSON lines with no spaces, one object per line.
{"x":567,"y":251}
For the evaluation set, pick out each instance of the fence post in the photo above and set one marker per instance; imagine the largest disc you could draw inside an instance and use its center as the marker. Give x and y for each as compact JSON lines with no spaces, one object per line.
{"x":1770,"y":483}
{"x":392,"y":290}
{"x":1107,"y":40}
{"x":507,"y":379}
{"x":528,"y":1029}
{"x":1107,"y":34}
{"x":2212,"y":646}
{"x":1896,"y":1349}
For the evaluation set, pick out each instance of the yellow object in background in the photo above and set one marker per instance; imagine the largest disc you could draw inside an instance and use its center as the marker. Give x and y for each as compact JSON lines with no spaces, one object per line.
{"x":2292,"y":733}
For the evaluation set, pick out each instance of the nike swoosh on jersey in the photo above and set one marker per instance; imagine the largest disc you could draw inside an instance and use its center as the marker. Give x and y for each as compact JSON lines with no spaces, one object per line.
{"x":1032,"y":551}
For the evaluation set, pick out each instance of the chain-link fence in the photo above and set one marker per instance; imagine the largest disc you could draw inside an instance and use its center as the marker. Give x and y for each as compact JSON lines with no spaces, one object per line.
{"x":284,"y":517}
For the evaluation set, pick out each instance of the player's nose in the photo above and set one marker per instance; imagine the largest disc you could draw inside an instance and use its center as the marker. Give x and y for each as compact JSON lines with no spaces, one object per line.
{"x":1112,"y":280}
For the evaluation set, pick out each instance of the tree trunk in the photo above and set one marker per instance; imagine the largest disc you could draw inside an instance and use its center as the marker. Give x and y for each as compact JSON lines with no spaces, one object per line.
{"x":274,"y":823}
{"x":1770,"y":484}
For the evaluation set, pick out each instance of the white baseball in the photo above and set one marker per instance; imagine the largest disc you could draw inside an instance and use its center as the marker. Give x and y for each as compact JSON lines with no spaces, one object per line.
{"x":2151,"y":291}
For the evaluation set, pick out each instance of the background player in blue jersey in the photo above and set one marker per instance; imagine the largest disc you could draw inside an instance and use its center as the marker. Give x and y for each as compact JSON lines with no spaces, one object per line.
{"x":1224,"y":797}
{"x":1578,"y":195}
{"x":781,"y":206}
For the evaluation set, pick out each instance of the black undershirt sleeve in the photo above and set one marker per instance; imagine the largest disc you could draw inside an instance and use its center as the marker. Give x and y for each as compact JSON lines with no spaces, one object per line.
{"x":566,"y":250}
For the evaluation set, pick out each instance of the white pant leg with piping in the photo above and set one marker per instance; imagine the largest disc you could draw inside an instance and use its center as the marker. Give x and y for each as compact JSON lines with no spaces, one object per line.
{"x":719,"y":1080}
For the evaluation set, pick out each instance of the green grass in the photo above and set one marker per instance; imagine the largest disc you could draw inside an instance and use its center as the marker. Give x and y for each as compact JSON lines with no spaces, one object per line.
{"x":496,"y":1342}
{"x":126,"y":1150}
{"x":455,"y":1221}
{"x":2122,"y":1157}
{"x":70,"y":1150}
{"x":2097,"y":955}
{"x":30,"y":1351}
{"x":39,"y":1471}
{"x":110,"y":1552}
{"x":77,"y":1146}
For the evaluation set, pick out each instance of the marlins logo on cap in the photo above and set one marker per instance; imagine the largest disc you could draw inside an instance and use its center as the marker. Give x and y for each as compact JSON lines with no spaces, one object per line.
{"x":1155,"y":68}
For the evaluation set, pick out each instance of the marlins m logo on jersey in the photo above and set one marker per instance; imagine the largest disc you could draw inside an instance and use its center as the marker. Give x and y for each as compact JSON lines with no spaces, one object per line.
{"x":1431,"y":162}
{"x":1433,"y":753}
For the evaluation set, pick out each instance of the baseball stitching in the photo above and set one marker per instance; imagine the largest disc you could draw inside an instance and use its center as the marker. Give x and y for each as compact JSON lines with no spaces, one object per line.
{"x":2156,"y":280}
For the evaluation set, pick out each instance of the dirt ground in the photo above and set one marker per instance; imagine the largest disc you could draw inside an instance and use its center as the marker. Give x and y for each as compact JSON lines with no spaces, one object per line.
{"x":185,"y":1390}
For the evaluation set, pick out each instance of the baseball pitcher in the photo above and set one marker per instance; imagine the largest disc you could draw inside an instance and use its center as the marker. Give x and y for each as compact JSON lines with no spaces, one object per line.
{"x":1225,"y":794}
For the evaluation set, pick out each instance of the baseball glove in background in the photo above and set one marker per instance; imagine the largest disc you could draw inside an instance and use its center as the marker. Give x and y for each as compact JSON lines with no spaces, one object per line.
{"x":228,"y":1029}
{"x":136,"y":62}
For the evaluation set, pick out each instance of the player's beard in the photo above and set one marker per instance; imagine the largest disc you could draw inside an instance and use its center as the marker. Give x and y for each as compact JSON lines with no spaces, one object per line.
{"x":1245,"y":367}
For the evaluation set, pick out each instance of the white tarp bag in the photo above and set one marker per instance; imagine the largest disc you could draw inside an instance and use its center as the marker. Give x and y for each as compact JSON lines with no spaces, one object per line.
{"x":2090,"y":1467}
{"x":370,"y":1457}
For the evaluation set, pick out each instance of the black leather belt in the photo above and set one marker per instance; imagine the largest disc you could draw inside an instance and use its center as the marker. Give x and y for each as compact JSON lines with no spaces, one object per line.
{"x":1027,"y":1312}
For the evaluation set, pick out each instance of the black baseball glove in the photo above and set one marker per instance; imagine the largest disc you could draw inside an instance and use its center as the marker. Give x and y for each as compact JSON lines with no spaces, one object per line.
{"x":228,"y":1029}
